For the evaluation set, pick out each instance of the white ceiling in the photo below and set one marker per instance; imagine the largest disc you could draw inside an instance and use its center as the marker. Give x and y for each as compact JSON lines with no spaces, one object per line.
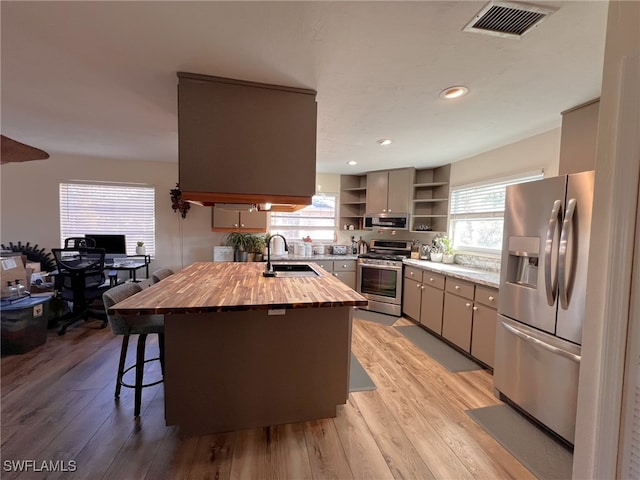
{"x":99,"y":78}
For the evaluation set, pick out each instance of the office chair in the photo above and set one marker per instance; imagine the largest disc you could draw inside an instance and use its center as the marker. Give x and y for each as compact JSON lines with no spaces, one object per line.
{"x":81,"y":281}
{"x":77,"y":242}
{"x":142,"y":325}
{"x":161,"y":274}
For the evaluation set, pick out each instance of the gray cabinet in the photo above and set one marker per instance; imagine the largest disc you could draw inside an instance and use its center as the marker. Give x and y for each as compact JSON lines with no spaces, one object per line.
{"x":462,"y":312}
{"x":345,"y":270}
{"x":458,"y":313}
{"x":412,"y":298}
{"x":485,"y":314}
{"x":389,"y":191}
{"x":226,"y":220}
{"x":423,"y":297}
{"x":432,"y":305}
{"x":578,"y":138}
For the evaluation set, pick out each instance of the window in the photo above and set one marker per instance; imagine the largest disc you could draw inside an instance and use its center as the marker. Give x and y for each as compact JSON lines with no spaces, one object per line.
{"x":476,"y":213}
{"x":103,"y":208}
{"x":317,"y":221}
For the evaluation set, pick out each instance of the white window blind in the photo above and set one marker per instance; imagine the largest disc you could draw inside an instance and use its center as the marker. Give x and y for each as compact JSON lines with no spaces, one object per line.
{"x":102,"y":208}
{"x":476,"y":213}
{"x":317,"y":221}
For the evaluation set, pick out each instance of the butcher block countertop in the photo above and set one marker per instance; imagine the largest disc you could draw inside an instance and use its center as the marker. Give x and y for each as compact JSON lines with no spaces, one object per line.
{"x":228,"y":286}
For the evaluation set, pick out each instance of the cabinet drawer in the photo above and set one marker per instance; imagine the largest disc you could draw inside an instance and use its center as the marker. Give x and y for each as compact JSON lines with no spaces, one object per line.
{"x":460,"y":287}
{"x":413,"y":273}
{"x":433,"y":279}
{"x":325,"y":264}
{"x":487,"y":296}
{"x":344,"y":266}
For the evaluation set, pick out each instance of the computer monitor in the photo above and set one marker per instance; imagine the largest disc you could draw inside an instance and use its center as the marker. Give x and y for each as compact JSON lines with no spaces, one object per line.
{"x":112,"y":244}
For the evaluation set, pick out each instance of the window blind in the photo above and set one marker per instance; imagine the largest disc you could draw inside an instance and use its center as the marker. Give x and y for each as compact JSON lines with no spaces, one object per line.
{"x":485,"y":199}
{"x":102,"y":208}
{"x":476,"y":213}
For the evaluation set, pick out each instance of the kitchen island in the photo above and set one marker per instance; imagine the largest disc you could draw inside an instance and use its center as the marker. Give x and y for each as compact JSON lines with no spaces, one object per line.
{"x":244,"y":351}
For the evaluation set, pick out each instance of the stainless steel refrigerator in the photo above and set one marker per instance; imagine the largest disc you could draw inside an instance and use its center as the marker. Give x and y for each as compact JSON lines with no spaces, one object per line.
{"x":542,"y":298}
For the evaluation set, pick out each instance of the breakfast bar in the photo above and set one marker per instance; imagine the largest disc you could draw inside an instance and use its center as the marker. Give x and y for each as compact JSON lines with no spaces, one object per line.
{"x":244,"y":351}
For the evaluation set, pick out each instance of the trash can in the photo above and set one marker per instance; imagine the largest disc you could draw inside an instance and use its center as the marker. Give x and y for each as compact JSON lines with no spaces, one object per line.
{"x":24,"y":324}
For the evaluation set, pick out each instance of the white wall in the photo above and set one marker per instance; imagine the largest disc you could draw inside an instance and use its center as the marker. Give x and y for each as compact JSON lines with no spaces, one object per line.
{"x":30,"y":205}
{"x":538,"y":152}
{"x":610,"y":275}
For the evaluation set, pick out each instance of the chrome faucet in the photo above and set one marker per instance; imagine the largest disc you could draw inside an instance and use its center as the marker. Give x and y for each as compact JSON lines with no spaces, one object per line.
{"x":268,"y":271}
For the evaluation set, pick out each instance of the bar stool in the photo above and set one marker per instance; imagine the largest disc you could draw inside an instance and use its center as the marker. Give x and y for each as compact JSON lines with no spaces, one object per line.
{"x":141,"y":325}
{"x":161,"y":274}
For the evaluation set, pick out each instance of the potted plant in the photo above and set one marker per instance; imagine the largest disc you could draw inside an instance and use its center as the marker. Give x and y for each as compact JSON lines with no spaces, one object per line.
{"x":447,"y":250}
{"x":239,"y":241}
{"x":258,"y":242}
{"x":140,"y":250}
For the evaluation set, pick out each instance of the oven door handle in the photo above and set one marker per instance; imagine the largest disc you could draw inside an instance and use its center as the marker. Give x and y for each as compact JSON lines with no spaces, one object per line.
{"x":380,"y":267}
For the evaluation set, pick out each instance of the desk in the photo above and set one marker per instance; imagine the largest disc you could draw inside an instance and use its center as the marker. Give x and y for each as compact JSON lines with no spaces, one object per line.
{"x":131,"y":264}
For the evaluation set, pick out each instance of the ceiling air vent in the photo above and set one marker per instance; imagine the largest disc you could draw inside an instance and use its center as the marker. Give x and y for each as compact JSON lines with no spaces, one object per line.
{"x":507,"y":19}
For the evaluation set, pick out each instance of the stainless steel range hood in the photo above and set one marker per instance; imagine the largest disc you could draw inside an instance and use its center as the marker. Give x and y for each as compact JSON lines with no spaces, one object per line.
{"x":245,"y":142}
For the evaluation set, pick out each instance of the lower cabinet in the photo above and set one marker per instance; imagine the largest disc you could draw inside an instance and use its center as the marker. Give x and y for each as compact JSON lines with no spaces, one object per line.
{"x":423,"y":297}
{"x":457,"y":318}
{"x":345,"y":270}
{"x":432,"y":301}
{"x":460,"y":311}
{"x":485,"y":315}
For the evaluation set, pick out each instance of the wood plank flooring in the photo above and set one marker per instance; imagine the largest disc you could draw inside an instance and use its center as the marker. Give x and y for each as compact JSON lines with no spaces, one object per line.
{"x":58,"y":405}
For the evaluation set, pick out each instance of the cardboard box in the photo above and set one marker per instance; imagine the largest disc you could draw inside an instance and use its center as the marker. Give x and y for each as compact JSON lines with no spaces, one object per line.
{"x":33,"y":265}
{"x":12,"y":269}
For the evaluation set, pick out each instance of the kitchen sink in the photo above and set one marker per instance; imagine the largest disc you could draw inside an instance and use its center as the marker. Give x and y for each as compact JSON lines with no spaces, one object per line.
{"x":294,"y":270}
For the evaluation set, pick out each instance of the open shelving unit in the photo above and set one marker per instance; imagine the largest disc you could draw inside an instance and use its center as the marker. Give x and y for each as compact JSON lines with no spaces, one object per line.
{"x":431,"y":199}
{"x":353,"y":200}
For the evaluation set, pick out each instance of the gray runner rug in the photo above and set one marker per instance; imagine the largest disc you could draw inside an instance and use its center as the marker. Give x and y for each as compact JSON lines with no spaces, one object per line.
{"x":375,"y":317}
{"x":438,"y":350}
{"x":359,"y":379}
{"x":546,"y":457}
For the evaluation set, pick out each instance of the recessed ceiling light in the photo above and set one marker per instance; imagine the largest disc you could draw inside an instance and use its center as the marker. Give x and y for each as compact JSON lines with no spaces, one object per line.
{"x":383,"y":142}
{"x":352,"y":162}
{"x":454,"y":92}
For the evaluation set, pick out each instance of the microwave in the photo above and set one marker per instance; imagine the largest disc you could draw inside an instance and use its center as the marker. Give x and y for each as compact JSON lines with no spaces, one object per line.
{"x":386,"y":221}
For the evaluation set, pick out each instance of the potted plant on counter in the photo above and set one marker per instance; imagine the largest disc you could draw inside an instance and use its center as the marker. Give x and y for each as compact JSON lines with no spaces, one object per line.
{"x":140,"y":250}
{"x":257,"y":244}
{"x":240,"y":243}
{"x":447,"y":250}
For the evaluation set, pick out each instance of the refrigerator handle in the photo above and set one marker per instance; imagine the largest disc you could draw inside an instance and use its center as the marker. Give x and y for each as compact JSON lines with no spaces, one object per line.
{"x":567,"y":227}
{"x":551,"y":278}
{"x":540,"y":343}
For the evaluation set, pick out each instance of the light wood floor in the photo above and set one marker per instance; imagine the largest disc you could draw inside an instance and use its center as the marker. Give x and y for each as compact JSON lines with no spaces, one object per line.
{"x":57,"y":404}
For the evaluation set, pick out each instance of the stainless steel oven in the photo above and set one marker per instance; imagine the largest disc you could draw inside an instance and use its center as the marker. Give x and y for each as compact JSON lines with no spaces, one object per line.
{"x":379,"y":275}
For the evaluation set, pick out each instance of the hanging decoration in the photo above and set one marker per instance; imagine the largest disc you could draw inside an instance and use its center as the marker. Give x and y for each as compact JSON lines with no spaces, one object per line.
{"x":177,"y":203}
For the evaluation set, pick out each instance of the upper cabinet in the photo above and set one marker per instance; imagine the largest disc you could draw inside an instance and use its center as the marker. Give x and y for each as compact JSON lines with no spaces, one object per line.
{"x":353,"y":200}
{"x":245,"y":142}
{"x":389,"y":191}
{"x":233,"y":220}
{"x":431,"y":199}
{"x":578,"y":138}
